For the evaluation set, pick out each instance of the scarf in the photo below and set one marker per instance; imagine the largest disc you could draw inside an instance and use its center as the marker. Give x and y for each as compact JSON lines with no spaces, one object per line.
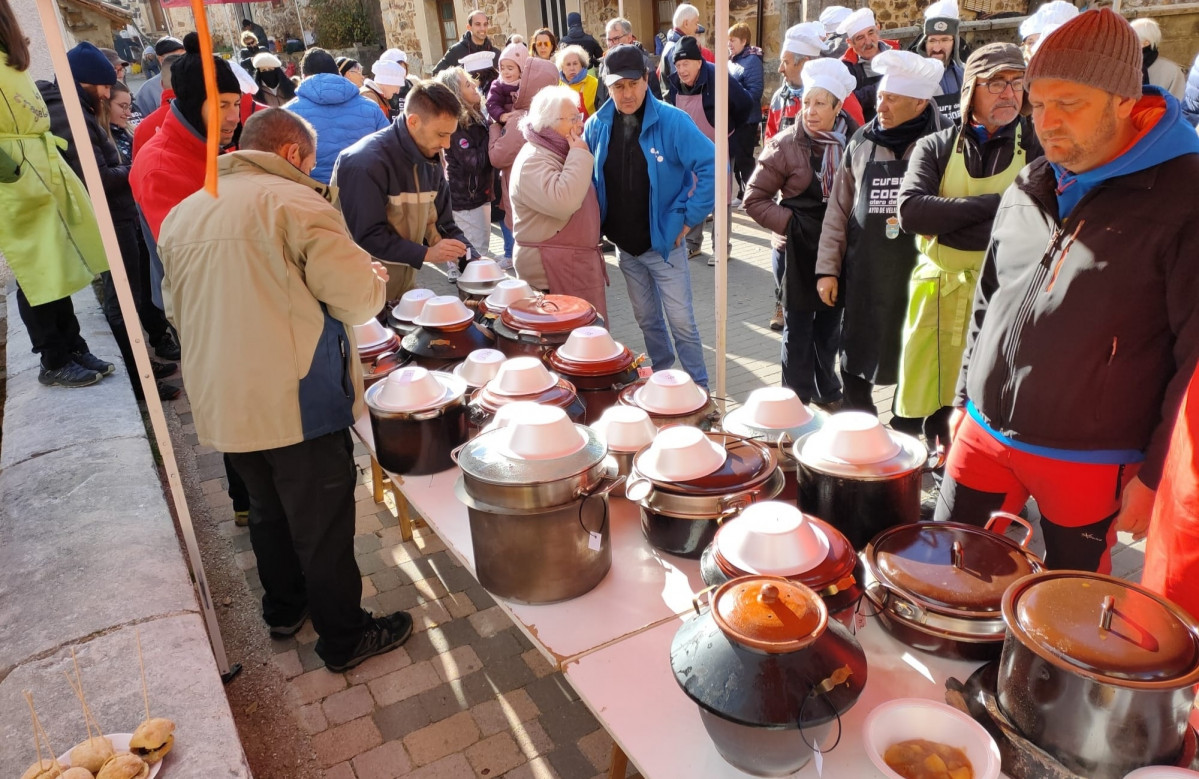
{"x":898,"y":139}
{"x":1148,"y":57}
{"x":831,"y":144}
{"x":269,"y":77}
{"x":547,"y":139}
{"x":577,"y":79}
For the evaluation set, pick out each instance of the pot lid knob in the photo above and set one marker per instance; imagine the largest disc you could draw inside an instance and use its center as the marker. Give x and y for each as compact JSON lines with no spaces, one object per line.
{"x":769,"y":594}
{"x":769,"y":613}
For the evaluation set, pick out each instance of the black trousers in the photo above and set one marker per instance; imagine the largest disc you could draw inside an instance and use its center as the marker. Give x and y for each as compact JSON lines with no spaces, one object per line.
{"x":302,"y":532}
{"x":53,"y":330}
{"x":237,"y":488}
{"x":933,"y":427}
{"x":744,"y":142}
{"x":857,"y":394}
{"x":136,"y":259}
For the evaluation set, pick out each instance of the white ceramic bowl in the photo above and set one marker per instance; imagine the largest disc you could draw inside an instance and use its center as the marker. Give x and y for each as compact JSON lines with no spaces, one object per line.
{"x":443,"y":311}
{"x":522,"y":376}
{"x":508,"y":292}
{"x":670,"y":392}
{"x":480,"y":366}
{"x":681,"y":453}
{"x":774,"y":538}
{"x":411,"y":303}
{"x":907,"y":718}
{"x":855,"y":437}
{"x":625,"y":428}
{"x":543,"y":433}
{"x":1162,"y":772}
{"x":482,"y":271}
{"x":411,"y":389}
{"x":590,"y":344}
{"x":371,"y":333}
{"x":776,"y":408}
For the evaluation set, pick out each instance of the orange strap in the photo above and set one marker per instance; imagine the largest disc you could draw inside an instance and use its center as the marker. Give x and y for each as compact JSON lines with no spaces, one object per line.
{"x":214,"y":113}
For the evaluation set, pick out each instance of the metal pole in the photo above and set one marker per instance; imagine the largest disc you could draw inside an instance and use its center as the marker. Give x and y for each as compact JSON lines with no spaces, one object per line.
{"x":303,"y":40}
{"x":722,"y":190}
{"x":48,"y":11}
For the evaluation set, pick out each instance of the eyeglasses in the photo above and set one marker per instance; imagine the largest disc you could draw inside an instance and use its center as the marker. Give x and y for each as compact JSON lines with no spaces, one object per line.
{"x":575,"y":118}
{"x":1000,"y":86}
{"x":616,"y":40}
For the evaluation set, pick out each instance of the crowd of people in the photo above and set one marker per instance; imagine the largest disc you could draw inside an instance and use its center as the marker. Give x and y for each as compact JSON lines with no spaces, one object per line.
{"x":1006,"y":234}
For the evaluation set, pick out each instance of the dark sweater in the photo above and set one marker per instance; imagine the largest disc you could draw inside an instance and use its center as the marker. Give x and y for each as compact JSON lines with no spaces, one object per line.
{"x":626,"y":174}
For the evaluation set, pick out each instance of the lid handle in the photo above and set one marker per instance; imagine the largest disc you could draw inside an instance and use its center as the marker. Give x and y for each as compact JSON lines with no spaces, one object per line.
{"x":1107,"y":612}
{"x":959,"y":560}
{"x":695,"y":599}
{"x":1008,"y":518}
{"x":769,"y":594}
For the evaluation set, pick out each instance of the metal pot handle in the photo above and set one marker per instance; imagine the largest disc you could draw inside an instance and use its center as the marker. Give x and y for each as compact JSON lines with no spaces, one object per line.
{"x":1010,"y":518}
{"x":695,"y":599}
{"x":457,"y":450}
{"x":839,"y":676}
{"x":604,"y":486}
{"x":638,"y":489}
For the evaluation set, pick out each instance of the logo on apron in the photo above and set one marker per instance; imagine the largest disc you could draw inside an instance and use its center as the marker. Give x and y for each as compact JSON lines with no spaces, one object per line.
{"x":892,"y":228}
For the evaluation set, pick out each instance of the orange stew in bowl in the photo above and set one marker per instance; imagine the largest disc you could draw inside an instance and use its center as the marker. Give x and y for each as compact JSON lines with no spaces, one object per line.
{"x":919,"y":758}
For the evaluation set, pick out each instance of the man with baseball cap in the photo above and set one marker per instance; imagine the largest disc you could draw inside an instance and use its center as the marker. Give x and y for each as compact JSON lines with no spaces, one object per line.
{"x":861,"y":31}
{"x":864,"y":261}
{"x":149,"y":97}
{"x":655,"y":176}
{"x":948,"y":200}
{"x":1086,"y":320}
{"x":940,"y":40}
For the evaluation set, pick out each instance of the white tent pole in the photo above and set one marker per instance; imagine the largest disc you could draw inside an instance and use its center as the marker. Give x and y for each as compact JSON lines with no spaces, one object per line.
{"x":722,"y":191}
{"x":299,"y":16}
{"x":48,"y":11}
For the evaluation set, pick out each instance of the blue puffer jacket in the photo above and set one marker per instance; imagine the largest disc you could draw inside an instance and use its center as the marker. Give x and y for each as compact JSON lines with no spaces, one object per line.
{"x":1190,"y":101}
{"x":751,"y":78}
{"x":675,"y":149}
{"x":341,"y":116}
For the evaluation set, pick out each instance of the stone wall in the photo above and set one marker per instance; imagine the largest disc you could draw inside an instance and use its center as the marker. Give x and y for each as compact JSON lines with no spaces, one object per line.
{"x":399,"y":27}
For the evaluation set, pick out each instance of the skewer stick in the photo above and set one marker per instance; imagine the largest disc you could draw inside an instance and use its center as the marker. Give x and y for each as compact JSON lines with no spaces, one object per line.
{"x":86,"y":722}
{"x":87,"y":710}
{"x":142,"y":666}
{"x":37,"y":728}
{"x":37,"y":745}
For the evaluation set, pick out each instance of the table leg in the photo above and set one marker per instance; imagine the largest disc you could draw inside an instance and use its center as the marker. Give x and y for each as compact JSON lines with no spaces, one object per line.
{"x":402,"y":513}
{"x":377,"y":480}
{"x":619,"y":764}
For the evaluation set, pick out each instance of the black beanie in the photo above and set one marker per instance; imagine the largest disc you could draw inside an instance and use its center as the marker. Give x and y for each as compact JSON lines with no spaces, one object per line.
{"x":686,"y":49}
{"x":318,"y":61}
{"x":187,"y":79}
{"x":345,"y":65}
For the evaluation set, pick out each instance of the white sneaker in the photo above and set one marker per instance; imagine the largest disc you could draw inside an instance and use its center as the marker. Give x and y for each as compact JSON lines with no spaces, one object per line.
{"x":452,"y":272}
{"x":506,"y":263}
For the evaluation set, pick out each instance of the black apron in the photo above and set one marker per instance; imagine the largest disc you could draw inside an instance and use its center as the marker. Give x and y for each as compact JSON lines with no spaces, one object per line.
{"x":803,"y":239}
{"x":878,"y":265}
{"x":950,"y":107}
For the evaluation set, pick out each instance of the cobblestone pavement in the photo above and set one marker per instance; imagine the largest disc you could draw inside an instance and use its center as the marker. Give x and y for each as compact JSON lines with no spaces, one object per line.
{"x":468,"y":695}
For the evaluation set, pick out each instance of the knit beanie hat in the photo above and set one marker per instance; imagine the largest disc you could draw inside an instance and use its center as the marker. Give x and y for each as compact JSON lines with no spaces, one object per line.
{"x":516,"y":52}
{"x":1096,"y":48}
{"x":90,"y":66}
{"x":346,"y":64}
{"x":167,"y":45}
{"x":187,"y":79}
{"x":686,"y":49}
{"x":318,"y":61}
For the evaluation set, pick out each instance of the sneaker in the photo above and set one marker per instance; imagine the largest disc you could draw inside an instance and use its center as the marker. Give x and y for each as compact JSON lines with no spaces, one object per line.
{"x":91,"y":362}
{"x":167,"y":347}
{"x":776,"y":321}
{"x":241,"y":518}
{"x":383,"y":635}
{"x":693,"y":253}
{"x":167,"y":391}
{"x":712,"y":261}
{"x":163,"y":369}
{"x":735,"y":202}
{"x":832,"y":406}
{"x":452,"y":272}
{"x":70,"y":375}
{"x":286,"y":631}
{"x":506,"y":263}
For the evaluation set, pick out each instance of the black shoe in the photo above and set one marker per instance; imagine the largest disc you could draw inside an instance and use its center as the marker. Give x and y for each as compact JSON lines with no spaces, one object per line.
{"x":91,"y":362}
{"x":167,"y":347}
{"x":163,"y":369}
{"x":167,"y":391}
{"x":383,"y":635}
{"x":285,"y":631}
{"x":70,"y":375}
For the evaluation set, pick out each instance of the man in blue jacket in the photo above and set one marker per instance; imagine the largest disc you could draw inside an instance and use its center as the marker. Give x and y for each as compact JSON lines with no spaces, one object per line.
{"x":654,"y":174}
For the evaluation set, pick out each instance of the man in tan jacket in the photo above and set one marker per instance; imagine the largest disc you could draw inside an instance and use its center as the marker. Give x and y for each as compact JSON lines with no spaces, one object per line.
{"x":264,"y":285}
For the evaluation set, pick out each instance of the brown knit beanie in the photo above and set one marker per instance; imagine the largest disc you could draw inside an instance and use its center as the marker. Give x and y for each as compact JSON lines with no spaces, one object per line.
{"x":1096,"y":48}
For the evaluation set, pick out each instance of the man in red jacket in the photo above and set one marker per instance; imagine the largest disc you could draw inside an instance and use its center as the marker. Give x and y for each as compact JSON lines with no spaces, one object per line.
{"x":148,"y":126}
{"x":861,"y":30}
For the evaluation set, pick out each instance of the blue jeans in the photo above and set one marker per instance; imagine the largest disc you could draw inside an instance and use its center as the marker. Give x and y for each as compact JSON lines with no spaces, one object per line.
{"x":655,"y":284}
{"x":509,"y":239}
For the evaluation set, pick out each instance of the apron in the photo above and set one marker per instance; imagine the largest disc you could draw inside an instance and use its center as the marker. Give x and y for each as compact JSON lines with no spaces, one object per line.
{"x":950,"y":107}
{"x":572,"y":260}
{"x":803,"y":235}
{"x":878,"y":264}
{"x":941,"y":299}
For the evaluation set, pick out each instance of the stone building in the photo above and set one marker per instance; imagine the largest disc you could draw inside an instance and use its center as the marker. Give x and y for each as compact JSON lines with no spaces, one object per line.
{"x":93,"y":21}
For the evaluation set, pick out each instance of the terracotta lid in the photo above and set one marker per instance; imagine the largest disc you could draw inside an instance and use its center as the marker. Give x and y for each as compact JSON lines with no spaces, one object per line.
{"x":1104,"y":628}
{"x":747,"y":464}
{"x":769,"y":613}
{"x":549,"y":314}
{"x":618,"y":364}
{"x":562,"y":394}
{"x":949,"y":567}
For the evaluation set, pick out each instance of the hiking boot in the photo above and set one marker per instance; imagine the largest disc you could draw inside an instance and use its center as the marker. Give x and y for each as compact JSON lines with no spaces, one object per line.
{"x":167,"y":391}
{"x":91,"y":362}
{"x":72,"y":374}
{"x":290,"y":629}
{"x":167,"y":347}
{"x":382,"y":635}
{"x":776,"y":321}
{"x":163,"y":369}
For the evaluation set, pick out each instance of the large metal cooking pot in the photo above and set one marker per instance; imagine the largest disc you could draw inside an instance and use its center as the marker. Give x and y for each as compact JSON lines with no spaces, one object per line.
{"x":862,"y":500}
{"x":938,"y":586}
{"x":682,"y":517}
{"x":542,"y":555}
{"x":534,"y":326}
{"x":486,"y":401}
{"x":768,"y":671}
{"x":418,"y":441}
{"x":706,"y":416}
{"x":776,"y":415}
{"x":1097,"y":671}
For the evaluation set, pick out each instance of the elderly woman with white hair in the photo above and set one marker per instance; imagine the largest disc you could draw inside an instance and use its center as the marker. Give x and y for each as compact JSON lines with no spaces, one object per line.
{"x":555,"y":209}
{"x":572,"y":63}
{"x":1156,"y":70}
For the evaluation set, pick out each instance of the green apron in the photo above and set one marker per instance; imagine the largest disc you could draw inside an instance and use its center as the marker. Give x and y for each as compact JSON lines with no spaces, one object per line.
{"x":48,"y":231}
{"x":941,"y":299}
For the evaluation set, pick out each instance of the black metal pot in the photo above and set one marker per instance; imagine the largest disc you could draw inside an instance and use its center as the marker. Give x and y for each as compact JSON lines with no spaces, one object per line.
{"x":415,"y":443}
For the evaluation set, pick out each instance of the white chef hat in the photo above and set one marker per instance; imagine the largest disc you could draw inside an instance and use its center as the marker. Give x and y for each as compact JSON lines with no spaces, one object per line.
{"x":907,"y":73}
{"x":1044,"y":32}
{"x":942,"y":9}
{"x":244,"y":80}
{"x":394,"y":55}
{"x":806,"y":40}
{"x":861,"y":19}
{"x":829,"y":74}
{"x":832,"y":17}
{"x":1055,"y":12}
{"x":480,"y":60}
{"x":390,"y":73}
